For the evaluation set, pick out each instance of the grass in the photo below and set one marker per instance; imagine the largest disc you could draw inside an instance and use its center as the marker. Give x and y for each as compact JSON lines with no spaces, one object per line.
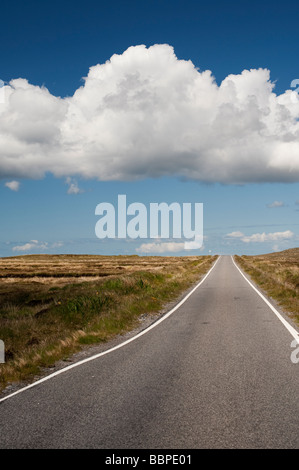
{"x":52,"y":306}
{"x":278,"y":275}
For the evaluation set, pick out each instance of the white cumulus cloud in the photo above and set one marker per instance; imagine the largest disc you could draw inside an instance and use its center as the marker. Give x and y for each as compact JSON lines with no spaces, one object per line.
{"x":144,"y":113}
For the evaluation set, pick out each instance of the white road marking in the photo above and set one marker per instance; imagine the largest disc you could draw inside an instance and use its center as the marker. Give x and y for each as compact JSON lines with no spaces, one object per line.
{"x":289,"y":327}
{"x":96,"y":356}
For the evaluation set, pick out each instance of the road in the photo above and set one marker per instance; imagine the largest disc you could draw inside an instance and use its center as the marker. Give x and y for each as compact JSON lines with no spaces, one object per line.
{"x":216,"y":373}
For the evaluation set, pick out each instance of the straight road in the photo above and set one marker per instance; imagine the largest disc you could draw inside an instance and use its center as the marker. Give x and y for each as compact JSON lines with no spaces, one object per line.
{"x":216,"y":373}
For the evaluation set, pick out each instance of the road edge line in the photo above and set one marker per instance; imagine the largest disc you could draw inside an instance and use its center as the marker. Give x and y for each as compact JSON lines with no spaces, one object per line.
{"x":287,"y":325}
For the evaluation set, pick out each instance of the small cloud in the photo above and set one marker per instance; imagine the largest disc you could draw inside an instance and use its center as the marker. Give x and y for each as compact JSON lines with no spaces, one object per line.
{"x":13,"y":185}
{"x":196,"y":244}
{"x":73,"y":186}
{"x":297,"y":202}
{"x":57,"y":245}
{"x":276,"y":204}
{"x":235,"y":234}
{"x":266,"y":237}
{"x":171,"y":246}
{"x":36,"y":245}
{"x":32,"y":245}
{"x":164,"y":247}
{"x":261,"y":237}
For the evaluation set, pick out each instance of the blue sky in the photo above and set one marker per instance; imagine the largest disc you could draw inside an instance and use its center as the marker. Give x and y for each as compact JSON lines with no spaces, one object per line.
{"x":168,"y":131}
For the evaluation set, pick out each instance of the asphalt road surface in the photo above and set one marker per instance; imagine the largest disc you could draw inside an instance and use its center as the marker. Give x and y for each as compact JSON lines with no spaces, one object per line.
{"x":216,"y":373}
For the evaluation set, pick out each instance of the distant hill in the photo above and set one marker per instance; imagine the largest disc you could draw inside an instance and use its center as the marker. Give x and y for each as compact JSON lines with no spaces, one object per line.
{"x":290,"y":254}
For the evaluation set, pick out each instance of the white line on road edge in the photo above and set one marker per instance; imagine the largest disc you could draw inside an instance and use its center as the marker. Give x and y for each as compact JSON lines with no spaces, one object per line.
{"x":96,"y":356}
{"x":289,"y":327}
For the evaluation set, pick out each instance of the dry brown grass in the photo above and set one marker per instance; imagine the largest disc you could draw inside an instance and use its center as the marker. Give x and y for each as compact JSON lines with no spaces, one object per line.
{"x":278,"y":275}
{"x":51,"y":267}
{"x":50,"y":306}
